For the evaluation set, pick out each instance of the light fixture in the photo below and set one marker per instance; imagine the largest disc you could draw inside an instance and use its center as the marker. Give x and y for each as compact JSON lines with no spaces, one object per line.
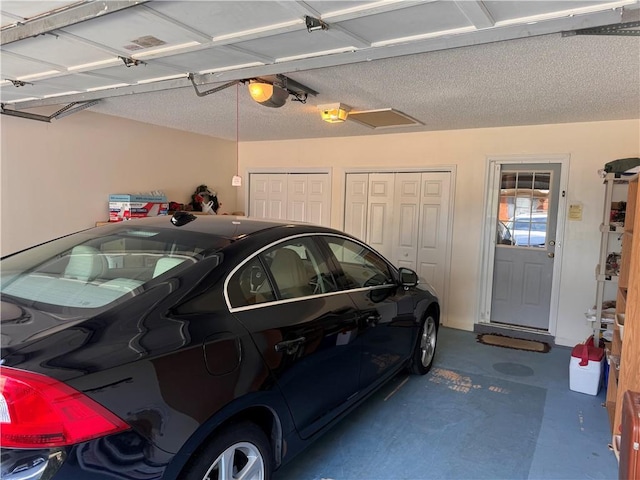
{"x":334,"y":112}
{"x":267,"y":94}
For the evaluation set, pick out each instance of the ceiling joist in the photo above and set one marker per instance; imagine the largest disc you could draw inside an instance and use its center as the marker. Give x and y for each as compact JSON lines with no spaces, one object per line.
{"x":248,"y":49}
{"x":64,"y":17}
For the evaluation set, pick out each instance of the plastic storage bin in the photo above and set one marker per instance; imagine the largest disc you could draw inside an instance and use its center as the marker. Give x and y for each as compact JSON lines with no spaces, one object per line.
{"x":586,"y":368}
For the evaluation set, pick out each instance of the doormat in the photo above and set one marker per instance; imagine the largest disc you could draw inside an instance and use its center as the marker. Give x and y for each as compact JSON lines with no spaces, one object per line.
{"x":515,"y":343}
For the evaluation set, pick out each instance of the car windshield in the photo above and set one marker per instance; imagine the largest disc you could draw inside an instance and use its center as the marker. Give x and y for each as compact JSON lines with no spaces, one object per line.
{"x":94,"y":268}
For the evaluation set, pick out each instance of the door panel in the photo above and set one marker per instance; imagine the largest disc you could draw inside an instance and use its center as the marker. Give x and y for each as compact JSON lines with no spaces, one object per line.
{"x":277,"y":196}
{"x":356,"y":205}
{"x":310,"y":343}
{"x":525,"y":245}
{"x":297,"y":197}
{"x":406,"y":221}
{"x":318,"y":375}
{"x":379,"y":231}
{"x":434,"y":229}
{"x":318,"y":200}
{"x":386,"y":322}
{"x":404,"y":216}
{"x":259,"y":196}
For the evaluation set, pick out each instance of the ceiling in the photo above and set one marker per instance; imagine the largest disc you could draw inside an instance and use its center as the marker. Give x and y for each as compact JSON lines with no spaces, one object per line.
{"x":448,"y":64}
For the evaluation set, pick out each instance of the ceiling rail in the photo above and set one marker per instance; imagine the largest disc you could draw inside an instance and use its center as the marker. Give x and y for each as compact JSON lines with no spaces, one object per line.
{"x":65,"y":111}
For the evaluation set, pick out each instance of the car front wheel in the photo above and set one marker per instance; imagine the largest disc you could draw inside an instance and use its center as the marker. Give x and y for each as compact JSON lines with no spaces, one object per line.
{"x":425,"y":348}
{"x":239,"y":452}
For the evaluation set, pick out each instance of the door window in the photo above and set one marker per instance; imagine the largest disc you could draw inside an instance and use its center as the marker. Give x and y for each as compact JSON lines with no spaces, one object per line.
{"x":361,"y":267}
{"x":250,"y":285}
{"x":296,"y":268}
{"x":522,"y":209}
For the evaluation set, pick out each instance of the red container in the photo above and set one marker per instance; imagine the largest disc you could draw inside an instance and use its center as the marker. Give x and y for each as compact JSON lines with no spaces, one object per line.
{"x":587,"y":353}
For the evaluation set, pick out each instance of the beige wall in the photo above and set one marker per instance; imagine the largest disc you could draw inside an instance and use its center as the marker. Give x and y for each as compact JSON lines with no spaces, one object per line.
{"x":57,"y":177}
{"x":590,"y":146}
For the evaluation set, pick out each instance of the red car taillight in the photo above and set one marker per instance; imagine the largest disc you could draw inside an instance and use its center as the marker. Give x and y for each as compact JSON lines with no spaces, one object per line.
{"x":37,"y":411}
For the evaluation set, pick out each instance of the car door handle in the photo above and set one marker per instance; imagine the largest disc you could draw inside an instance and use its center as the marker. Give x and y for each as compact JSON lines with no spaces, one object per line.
{"x":372,"y":320}
{"x":290,"y":346}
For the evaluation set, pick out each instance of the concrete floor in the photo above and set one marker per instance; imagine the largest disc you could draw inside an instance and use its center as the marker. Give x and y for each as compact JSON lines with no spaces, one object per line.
{"x":482,"y":412}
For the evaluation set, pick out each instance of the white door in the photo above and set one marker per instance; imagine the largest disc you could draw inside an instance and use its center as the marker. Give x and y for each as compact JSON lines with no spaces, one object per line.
{"x":380,"y":213}
{"x":405,"y":216}
{"x":525,"y":245}
{"x":268,"y":195}
{"x":433,"y":233}
{"x":298,"y":197}
{"x":318,"y":200}
{"x":357,"y":205}
{"x":405,"y":225}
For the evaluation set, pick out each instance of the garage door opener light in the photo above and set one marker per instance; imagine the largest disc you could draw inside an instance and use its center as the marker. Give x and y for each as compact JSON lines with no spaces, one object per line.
{"x":334,"y":112}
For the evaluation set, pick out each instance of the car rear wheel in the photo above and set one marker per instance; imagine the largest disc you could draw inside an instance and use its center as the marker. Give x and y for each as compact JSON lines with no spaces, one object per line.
{"x":425,"y":349}
{"x":239,"y":452}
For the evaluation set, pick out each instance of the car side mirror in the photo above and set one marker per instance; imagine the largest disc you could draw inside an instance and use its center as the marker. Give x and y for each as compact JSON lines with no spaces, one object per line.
{"x":408,"y":278}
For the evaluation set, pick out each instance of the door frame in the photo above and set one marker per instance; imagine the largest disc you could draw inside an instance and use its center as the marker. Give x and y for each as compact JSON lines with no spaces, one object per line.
{"x":488,"y":242}
{"x":451,"y":170}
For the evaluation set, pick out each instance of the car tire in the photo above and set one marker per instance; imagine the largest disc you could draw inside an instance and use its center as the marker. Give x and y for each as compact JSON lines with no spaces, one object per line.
{"x":425,"y":349}
{"x":239,"y":451}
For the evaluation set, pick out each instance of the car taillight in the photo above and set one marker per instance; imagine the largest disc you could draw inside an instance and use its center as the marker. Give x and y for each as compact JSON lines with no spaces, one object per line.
{"x":37,"y":411}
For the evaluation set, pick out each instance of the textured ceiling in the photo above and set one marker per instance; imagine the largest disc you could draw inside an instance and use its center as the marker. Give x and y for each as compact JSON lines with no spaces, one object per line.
{"x":448,"y":64}
{"x":546,"y":79}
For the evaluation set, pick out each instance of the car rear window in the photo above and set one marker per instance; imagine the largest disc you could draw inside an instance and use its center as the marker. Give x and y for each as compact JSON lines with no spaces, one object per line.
{"x":90,"y":270}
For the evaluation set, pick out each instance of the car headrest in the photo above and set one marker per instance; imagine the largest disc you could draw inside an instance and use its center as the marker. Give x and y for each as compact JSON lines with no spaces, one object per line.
{"x":85,"y":263}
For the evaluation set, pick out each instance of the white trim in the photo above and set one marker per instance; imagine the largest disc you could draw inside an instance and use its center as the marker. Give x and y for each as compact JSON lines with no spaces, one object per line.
{"x":494,"y":164}
{"x":441,"y":168}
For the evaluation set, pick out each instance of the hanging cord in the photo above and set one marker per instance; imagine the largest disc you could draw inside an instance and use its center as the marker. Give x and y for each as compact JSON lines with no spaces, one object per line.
{"x":237,"y":131}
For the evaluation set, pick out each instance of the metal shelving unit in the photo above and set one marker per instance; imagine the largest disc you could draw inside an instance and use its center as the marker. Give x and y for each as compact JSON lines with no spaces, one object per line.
{"x":611,"y":231}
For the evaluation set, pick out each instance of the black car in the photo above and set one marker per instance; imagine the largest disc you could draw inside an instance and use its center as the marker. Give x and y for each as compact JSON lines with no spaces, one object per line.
{"x":196,"y":347}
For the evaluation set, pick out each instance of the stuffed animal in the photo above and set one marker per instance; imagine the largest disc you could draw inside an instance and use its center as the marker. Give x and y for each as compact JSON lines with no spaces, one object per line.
{"x":205,"y":200}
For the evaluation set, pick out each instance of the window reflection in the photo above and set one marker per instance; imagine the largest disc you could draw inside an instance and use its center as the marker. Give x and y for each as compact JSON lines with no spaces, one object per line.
{"x":522,"y":209}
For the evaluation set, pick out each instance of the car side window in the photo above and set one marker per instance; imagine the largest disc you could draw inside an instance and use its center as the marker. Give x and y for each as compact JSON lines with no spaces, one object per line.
{"x":298,"y":269}
{"x":361,"y":266}
{"x":250,"y":285}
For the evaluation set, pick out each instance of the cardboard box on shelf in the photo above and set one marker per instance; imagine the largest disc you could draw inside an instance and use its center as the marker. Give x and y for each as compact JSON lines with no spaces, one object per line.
{"x":126,"y":206}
